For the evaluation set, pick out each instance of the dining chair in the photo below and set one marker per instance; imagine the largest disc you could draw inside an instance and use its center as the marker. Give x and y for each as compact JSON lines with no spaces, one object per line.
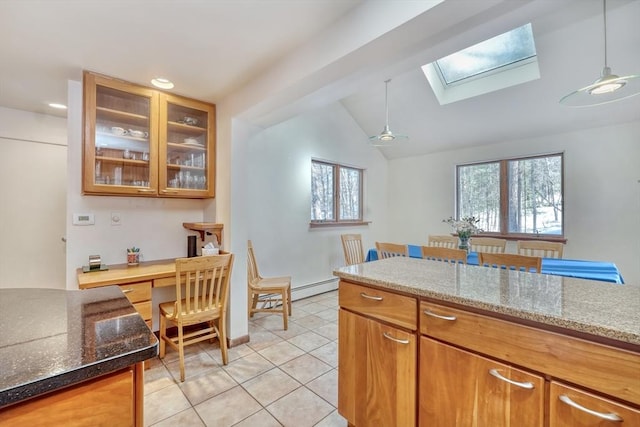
{"x":389,"y":250}
{"x":443,"y":241}
{"x":202,"y":293}
{"x":436,"y":253}
{"x":352,"y":246}
{"x":269,"y":291}
{"x":488,"y":244}
{"x":541,"y":248}
{"x":510,"y":260}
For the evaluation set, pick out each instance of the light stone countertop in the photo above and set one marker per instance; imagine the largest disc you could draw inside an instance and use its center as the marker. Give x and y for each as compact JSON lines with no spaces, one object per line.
{"x":588,"y":306}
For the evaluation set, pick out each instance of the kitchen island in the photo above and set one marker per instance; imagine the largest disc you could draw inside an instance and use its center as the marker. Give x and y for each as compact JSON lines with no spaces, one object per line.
{"x":72,"y":357}
{"x":436,"y":344}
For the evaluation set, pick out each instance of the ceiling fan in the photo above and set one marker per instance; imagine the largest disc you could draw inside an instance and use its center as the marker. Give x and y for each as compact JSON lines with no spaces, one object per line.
{"x":609,"y":87}
{"x":386,"y":137}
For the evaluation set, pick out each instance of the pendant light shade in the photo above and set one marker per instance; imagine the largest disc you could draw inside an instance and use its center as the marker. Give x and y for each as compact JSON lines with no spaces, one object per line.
{"x":608,"y":88}
{"x":386,"y":137}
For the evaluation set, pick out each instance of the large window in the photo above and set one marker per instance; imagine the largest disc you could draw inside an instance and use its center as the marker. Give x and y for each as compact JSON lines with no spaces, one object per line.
{"x":514,"y":196}
{"x":336,"y":193}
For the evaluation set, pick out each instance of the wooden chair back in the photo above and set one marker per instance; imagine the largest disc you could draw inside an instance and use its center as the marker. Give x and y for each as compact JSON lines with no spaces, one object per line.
{"x":510,"y":260}
{"x":202,"y":287}
{"x":389,"y":250}
{"x":453,"y":256}
{"x":541,"y":248}
{"x":352,"y":246}
{"x":253,"y":274}
{"x":443,"y":241}
{"x":272,"y":293}
{"x":488,"y":245}
{"x":202,"y":302}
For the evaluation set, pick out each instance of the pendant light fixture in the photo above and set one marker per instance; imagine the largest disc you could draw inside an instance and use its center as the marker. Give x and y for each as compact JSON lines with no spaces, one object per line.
{"x":386,"y":137}
{"x":608,"y":88}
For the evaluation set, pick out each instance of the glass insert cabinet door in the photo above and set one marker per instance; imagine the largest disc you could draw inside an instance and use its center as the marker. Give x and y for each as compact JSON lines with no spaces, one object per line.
{"x":120,"y":154}
{"x":186,"y":160}
{"x":143,"y":142}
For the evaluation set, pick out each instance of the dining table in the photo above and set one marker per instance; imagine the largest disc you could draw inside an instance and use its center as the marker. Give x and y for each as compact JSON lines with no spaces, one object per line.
{"x":582,"y":269}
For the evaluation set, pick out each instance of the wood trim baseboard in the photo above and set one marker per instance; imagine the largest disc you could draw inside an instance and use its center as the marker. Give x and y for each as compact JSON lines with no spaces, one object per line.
{"x":233,"y":342}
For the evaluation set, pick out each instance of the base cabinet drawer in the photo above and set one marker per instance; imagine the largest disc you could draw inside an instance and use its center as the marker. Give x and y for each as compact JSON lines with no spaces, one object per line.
{"x":137,"y":292}
{"x":144,"y":308}
{"x":459,"y":389}
{"x":393,"y":308}
{"x":572,"y":407}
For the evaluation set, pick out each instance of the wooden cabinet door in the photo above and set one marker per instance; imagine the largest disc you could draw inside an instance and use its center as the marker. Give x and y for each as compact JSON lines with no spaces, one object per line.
{"x":459,"y":388}
{"x":107,"y":401}
{"x":377,"y":365}
{"x":120,"y":138}
{"x":187,"y":148}
{"x":570,"y":407}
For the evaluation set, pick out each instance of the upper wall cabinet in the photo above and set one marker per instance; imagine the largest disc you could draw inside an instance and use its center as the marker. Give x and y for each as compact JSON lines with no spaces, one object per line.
{"x":142,"y":142}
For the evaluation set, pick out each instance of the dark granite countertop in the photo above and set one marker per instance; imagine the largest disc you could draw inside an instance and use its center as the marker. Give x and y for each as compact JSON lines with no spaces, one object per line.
{"x":591,"y":307}
{"x":52,"y":338}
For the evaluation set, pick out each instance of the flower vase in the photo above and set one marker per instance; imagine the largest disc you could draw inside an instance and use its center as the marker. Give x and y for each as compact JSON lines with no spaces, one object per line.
{"x":464,"y":243}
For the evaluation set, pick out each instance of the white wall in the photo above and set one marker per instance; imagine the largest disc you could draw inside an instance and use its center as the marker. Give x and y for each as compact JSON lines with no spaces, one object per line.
{"x":601,"y":188}
{"x":33,"y":151}
{"x":278,"y":193}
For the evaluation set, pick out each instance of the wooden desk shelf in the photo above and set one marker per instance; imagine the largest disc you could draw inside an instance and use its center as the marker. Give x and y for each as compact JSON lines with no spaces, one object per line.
{"x":206,"y":227}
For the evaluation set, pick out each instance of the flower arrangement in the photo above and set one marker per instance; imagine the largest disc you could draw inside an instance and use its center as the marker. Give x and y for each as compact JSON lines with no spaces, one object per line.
{"x":465,"y":227}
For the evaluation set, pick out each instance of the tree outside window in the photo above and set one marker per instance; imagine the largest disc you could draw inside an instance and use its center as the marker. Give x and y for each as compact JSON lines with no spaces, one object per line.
{"x":514,"y":196}
{"x":336,"y":193}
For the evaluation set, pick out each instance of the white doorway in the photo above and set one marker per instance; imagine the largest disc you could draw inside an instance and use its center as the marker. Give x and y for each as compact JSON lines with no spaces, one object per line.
{"x":33,"y":195}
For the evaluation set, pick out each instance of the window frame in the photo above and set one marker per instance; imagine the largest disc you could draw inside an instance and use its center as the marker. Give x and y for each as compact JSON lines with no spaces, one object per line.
{"x":504,"y":201}
{"x":337,"y":221}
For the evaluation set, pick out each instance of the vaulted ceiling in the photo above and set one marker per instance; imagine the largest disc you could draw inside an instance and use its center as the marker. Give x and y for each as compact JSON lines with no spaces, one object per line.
{"x":214,"y":50}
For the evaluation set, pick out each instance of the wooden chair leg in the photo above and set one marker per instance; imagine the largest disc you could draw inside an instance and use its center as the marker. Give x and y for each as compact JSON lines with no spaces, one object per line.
{"x":289,"y":299}
{"x":163,"y":334}
{"x":222,"y":337}
{"x":181,"y":351}
{"x":285,"y":311}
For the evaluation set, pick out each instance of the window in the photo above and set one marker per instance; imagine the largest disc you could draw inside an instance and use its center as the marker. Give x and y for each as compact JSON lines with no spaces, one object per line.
{"x":503,"y":61}
{"x":336,"y":193}
{"x":514,"y":196}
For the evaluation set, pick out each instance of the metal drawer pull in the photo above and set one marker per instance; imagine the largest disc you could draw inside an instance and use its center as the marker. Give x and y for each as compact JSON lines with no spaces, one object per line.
{"x":363,"y":295}
{"x":497,"y":374}
{"x":126,"y":291}
{"x":609,"y":417}
{"x":439,"y":316}
{"x":389,"y":337}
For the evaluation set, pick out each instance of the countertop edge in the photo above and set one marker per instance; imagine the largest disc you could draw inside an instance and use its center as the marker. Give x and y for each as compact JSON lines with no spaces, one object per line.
{"x":538,"y":318}
{"x":44,"y":386}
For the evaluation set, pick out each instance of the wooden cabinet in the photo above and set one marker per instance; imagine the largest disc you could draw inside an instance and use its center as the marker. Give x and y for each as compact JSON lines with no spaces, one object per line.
{"x":114,"y":399}
{"x":459,"y":388}
{"x":140,"y":296}
{"x":572,"y":407}
{"x":142,"y":142}
{"x":377,"y":368}
{"x":377,"y":358}
{"x":461,"y":349}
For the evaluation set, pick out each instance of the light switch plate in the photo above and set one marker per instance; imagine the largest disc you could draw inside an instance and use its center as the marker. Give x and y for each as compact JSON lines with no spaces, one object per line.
{"x":83,"y":219}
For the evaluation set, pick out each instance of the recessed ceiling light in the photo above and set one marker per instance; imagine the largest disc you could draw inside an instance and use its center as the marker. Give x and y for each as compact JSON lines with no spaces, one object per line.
{"x":162,"y":83}
{"x":58,"y":106}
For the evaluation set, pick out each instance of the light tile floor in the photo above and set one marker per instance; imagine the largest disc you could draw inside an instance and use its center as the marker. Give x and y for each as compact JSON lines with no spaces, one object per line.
{"x":280,"y":378}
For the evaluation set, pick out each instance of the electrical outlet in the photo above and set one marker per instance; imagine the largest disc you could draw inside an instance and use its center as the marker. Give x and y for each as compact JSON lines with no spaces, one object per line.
{"x":116,"y":219}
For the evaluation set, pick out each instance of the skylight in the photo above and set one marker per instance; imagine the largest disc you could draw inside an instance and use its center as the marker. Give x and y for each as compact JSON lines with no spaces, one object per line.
{"x":502,"y":61}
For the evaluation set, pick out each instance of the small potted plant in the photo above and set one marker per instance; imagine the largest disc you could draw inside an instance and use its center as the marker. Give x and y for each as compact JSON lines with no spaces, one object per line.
{"x":133,"y":256}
